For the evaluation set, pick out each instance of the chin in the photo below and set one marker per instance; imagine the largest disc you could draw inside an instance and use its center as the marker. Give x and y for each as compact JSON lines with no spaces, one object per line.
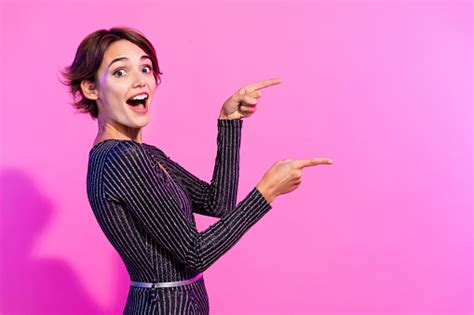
{"x":142,"y":123}
{"x":137,"y":122}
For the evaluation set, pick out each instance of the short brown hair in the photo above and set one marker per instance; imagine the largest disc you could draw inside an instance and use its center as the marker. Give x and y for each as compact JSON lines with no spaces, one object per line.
{"x":89,"y":57}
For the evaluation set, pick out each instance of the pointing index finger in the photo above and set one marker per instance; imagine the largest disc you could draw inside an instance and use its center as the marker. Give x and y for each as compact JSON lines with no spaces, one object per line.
{"x":313,"y":162}
{"x":263,"y":84}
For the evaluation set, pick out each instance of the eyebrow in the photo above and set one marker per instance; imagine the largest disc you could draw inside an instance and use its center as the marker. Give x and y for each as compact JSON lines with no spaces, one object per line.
{"x":126,"y":58}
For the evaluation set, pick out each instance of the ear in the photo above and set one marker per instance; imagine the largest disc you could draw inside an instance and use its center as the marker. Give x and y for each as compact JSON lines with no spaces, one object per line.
{"x":89,"y":90}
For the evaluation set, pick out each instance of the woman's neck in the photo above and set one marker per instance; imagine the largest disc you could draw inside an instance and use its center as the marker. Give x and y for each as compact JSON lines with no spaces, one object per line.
{"x":109,"y":131}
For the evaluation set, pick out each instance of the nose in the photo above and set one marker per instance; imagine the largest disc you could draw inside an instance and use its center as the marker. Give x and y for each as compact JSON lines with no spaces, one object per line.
{"x":139,"y":80}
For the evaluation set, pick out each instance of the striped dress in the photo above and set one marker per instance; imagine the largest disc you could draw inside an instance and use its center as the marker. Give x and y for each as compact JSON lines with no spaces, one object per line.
{"x":144,"y":203}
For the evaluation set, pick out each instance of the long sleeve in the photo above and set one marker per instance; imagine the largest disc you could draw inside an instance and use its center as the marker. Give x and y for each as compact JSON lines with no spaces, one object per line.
{"x":131,"y":178}
{"x":220,"y":195}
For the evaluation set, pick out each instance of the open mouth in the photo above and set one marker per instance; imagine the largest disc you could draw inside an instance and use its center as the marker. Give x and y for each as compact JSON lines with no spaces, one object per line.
{"x":138,"y":100}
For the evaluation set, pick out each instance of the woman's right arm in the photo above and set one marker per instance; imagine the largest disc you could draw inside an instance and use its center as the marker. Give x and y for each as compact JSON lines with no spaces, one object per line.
{"x":131,"y":176}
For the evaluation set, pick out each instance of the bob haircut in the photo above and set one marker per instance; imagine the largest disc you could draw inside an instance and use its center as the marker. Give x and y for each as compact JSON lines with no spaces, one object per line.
{"x":89,"y":57}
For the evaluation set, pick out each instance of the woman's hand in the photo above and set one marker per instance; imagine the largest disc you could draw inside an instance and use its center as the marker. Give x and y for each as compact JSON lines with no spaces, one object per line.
{"x":285,"y":176}
{"x":244,"y":102}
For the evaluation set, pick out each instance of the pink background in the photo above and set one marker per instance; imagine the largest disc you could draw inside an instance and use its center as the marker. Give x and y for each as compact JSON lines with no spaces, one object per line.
{"x":383,"y":88}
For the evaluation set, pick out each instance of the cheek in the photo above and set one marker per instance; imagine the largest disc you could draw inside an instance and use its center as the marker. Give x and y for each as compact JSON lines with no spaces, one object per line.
{"x":112,"y":100}
{"x":116,"y":92}
{"x":152,"y":83}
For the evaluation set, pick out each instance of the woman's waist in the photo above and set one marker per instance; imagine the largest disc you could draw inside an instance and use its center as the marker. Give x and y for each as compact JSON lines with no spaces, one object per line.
{"x":166,"y":284}
{"x":161,"y":273}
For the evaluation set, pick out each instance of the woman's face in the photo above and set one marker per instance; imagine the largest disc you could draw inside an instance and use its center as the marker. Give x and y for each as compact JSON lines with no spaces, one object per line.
{"x":125,"y":86}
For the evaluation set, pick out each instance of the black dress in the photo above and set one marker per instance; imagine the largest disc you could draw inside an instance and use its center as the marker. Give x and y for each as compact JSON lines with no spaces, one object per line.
{"x":147,"y":216}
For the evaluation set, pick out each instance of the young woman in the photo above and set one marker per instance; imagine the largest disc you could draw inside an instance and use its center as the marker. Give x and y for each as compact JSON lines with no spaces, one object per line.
{"x":142,"y":199}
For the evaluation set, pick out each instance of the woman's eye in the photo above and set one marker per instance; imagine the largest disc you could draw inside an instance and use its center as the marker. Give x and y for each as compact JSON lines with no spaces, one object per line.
{"x":122,"y":72}
{"x":119,"y":73}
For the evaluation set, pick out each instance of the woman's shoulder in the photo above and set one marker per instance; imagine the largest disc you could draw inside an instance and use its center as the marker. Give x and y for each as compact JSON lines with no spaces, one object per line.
{"x":153,"y":148}
{"x":111,"y":149}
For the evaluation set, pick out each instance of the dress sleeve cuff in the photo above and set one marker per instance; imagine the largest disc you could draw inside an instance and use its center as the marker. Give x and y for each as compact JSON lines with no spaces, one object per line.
{"x":230,"y":123}
{"x":261,"y":199}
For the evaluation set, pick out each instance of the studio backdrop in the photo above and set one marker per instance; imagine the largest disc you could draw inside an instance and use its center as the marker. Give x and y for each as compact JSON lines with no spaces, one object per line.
{"x":383,"y":88}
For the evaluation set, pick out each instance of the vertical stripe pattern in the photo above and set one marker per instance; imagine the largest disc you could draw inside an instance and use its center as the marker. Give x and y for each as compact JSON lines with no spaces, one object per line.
{"x":147,"y":215}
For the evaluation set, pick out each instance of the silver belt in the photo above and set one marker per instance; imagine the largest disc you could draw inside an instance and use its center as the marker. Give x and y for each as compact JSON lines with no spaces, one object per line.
{"x":165,"y":284}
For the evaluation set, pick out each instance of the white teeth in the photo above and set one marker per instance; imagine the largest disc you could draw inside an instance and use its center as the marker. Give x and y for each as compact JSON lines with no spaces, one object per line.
{"x":140,"y":97}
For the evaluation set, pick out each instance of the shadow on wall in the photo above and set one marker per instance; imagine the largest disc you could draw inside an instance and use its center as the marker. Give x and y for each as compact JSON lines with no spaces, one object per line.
{"x":30,"y":285}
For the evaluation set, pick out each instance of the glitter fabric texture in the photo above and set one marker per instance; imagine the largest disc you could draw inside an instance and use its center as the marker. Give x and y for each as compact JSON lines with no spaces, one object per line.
{"x":144,"y":203}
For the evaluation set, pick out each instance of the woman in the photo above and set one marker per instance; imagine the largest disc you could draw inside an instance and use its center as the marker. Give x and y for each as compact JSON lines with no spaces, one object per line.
{"x":143,"y":200}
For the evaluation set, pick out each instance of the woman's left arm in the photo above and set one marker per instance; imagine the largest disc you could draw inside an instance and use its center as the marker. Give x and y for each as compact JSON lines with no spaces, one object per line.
{"x":220,"y":196}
